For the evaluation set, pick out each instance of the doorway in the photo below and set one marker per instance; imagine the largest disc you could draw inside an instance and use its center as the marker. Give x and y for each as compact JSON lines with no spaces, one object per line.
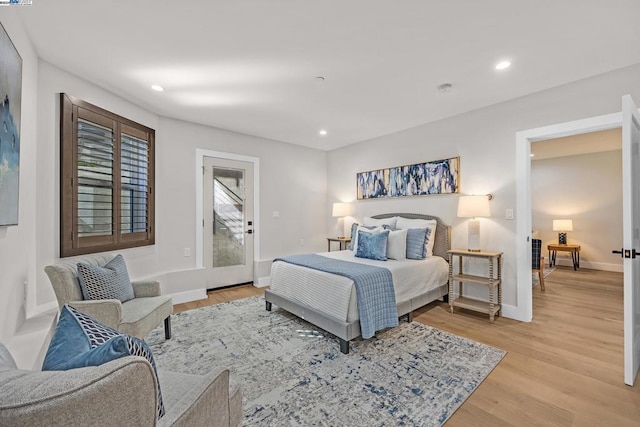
{"x":575,"y":181}
{"x":227,"y":238}
{"x":524,"y":139}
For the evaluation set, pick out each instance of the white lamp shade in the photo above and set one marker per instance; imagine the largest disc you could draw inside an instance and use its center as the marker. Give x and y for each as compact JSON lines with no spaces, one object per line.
{"x":341,"y":209}
{"x":473,"y":206}
{"x":562,"y":225}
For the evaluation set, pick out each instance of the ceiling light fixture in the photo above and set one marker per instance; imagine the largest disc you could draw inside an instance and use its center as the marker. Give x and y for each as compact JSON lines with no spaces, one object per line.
{"x":157,"y":88}
{"x":503,"y":65}
{"x":322,"y":132}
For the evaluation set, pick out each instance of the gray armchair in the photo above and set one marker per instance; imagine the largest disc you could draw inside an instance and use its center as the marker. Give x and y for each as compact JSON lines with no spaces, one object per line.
{"x":135,"y":317}
{"x":118,"y":393}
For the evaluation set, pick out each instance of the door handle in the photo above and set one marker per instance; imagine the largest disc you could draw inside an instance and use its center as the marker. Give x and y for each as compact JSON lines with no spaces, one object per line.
{"x":626,"y":253}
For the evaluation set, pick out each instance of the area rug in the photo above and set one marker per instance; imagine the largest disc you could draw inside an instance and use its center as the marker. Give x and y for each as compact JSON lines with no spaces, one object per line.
{"x":535,"y":280}
{"x":291,"y":373}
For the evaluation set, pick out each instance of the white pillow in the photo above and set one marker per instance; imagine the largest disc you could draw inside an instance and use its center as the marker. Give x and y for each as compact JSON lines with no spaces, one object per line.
{"x":373,"y":222}
{"x":406,"y":223}
{"x":397,"y":245}
{"x":365,"y":229}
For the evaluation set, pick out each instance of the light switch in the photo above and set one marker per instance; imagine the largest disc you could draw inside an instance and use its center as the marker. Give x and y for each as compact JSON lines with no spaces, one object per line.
{"x":509,"y":213}
{"x":276,"y":215}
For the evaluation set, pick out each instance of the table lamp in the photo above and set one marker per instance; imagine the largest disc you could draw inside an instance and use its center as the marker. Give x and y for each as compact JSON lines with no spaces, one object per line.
{"x":562,"y":226}
{"x":340,"y":210}
{"x":473,"y":207}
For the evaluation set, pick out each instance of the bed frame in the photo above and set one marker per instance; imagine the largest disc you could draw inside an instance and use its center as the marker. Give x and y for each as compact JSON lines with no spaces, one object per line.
{"x":346,"y":331}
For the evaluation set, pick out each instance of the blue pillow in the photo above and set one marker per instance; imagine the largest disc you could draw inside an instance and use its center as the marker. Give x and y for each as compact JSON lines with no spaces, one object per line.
{"x":80,"y":341}
{"x":417,"y":242}
{"x":108,"y":282}
{"x":372,"y":246}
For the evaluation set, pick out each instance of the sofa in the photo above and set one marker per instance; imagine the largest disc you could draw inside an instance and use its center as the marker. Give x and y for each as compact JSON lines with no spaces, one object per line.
{"x":118,"y":393}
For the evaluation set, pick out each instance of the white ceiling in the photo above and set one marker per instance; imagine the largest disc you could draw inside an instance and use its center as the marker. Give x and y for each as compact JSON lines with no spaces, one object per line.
{"x":249,"y":65}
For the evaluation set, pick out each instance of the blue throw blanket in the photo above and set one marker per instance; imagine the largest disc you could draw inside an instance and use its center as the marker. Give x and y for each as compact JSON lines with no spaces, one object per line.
{"x":374,"y":288}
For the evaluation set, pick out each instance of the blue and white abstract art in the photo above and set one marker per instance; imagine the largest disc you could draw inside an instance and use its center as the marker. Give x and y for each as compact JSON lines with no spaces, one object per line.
{"x":10,"y":101}
{"x":436,"y":177}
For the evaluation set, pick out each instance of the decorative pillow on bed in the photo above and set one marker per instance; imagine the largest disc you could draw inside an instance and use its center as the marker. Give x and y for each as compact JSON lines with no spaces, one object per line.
{"x":406,"y":223}
{"x":416,"y":243}
{"x":397,"y":245}
{"x":354,"y":235}
{"x":374,"y":222}
{"x":80,"y":341}
{"x":372,"y":246}
{"x":110,"y":281}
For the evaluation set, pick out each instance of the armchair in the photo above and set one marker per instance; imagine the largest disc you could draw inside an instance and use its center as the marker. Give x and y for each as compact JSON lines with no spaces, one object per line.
{"x":537,"y":260}
{"x":118,"y":393}
{"x":135,"y":317}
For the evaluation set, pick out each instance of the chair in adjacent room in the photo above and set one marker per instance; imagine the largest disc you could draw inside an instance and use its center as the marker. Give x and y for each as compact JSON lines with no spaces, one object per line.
{"x":537,"y":260}
{"x":136,"y":317}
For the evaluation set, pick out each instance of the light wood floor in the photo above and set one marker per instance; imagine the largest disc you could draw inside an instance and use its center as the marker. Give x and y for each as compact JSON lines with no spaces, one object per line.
{"x":565,"y":368}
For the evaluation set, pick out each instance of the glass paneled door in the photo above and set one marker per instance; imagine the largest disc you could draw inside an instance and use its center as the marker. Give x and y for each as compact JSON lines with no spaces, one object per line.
{"x":228,"y":222}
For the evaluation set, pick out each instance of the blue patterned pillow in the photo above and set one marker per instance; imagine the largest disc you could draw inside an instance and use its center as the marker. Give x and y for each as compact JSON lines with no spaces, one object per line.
{"x":354,"y":233}
{"x":372,"y":246}
{"x":416,"y":242}
{"x":80,"y":341}
{"x":108,"y":282}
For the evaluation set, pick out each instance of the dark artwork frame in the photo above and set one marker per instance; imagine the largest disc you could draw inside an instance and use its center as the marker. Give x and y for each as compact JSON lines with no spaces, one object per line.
{"x":10,"y":106}
{"x":420,"y":179}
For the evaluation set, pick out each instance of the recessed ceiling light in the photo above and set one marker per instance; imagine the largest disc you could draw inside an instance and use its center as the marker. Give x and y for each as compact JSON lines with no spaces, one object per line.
{"x":157,"y":88}
{"x":503,"y":65}
{"x":322,"y":132}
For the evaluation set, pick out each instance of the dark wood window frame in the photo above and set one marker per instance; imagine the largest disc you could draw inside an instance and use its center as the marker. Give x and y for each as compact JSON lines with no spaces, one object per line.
{"x":121,"y":161}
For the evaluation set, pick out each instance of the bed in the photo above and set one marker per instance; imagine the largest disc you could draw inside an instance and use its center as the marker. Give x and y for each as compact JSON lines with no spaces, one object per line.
{"x":329,"y":301}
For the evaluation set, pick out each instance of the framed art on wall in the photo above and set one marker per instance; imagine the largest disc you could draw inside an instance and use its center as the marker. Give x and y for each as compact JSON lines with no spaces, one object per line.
{"x":434,"y":177}
{"x":10,"y":102}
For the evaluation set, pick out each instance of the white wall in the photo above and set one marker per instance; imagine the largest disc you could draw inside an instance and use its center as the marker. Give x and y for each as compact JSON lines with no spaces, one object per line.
{"x":588,"y":189}
{"x":18,"y":243}
{"x":292,"y":181}
{"x":485,"y":141}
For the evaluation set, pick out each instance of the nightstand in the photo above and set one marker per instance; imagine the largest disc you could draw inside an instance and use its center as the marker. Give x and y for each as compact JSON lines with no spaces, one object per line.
{"x":344,"y":242}
{"x":493,"y":281}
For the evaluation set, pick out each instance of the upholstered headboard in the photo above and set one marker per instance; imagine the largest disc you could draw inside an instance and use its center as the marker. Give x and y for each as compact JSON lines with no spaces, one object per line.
{"x":443,"y":231}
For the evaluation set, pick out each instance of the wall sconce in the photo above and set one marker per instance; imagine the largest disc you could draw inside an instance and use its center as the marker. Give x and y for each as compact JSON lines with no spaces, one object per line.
{"x":473,"y":207}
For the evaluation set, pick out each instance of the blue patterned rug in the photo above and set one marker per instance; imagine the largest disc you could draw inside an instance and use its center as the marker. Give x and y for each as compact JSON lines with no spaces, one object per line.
{"x":293,"y":374}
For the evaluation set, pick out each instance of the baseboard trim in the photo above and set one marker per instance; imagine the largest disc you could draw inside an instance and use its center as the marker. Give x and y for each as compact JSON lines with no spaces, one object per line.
{"x":195,"y":295}
{"x":604,"y":266}
{"x":512,"y":312}
{"x":263,"y":282}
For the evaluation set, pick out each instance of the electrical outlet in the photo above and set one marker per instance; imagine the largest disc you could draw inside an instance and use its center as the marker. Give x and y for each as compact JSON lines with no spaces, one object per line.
{"x":276,"y":215}
{"x":509,"y":213}
{"x":187,"y":252}
{"x":301,"y":242}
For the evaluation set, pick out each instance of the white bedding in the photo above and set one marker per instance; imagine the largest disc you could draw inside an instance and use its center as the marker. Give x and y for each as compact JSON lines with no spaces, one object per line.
{"x":336,"y":295}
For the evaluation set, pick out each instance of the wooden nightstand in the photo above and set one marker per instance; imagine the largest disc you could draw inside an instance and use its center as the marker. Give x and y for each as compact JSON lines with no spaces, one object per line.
{"x":493,"y":281}
{"x":575,"y":254}
{"x":344,"y":242}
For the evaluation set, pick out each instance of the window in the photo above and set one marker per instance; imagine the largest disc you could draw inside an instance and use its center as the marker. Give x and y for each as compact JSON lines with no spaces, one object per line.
{"x":107,"y":178}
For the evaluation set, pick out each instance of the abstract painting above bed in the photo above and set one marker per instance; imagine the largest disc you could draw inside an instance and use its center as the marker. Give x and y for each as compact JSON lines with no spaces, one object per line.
{"x":434,"y":177}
